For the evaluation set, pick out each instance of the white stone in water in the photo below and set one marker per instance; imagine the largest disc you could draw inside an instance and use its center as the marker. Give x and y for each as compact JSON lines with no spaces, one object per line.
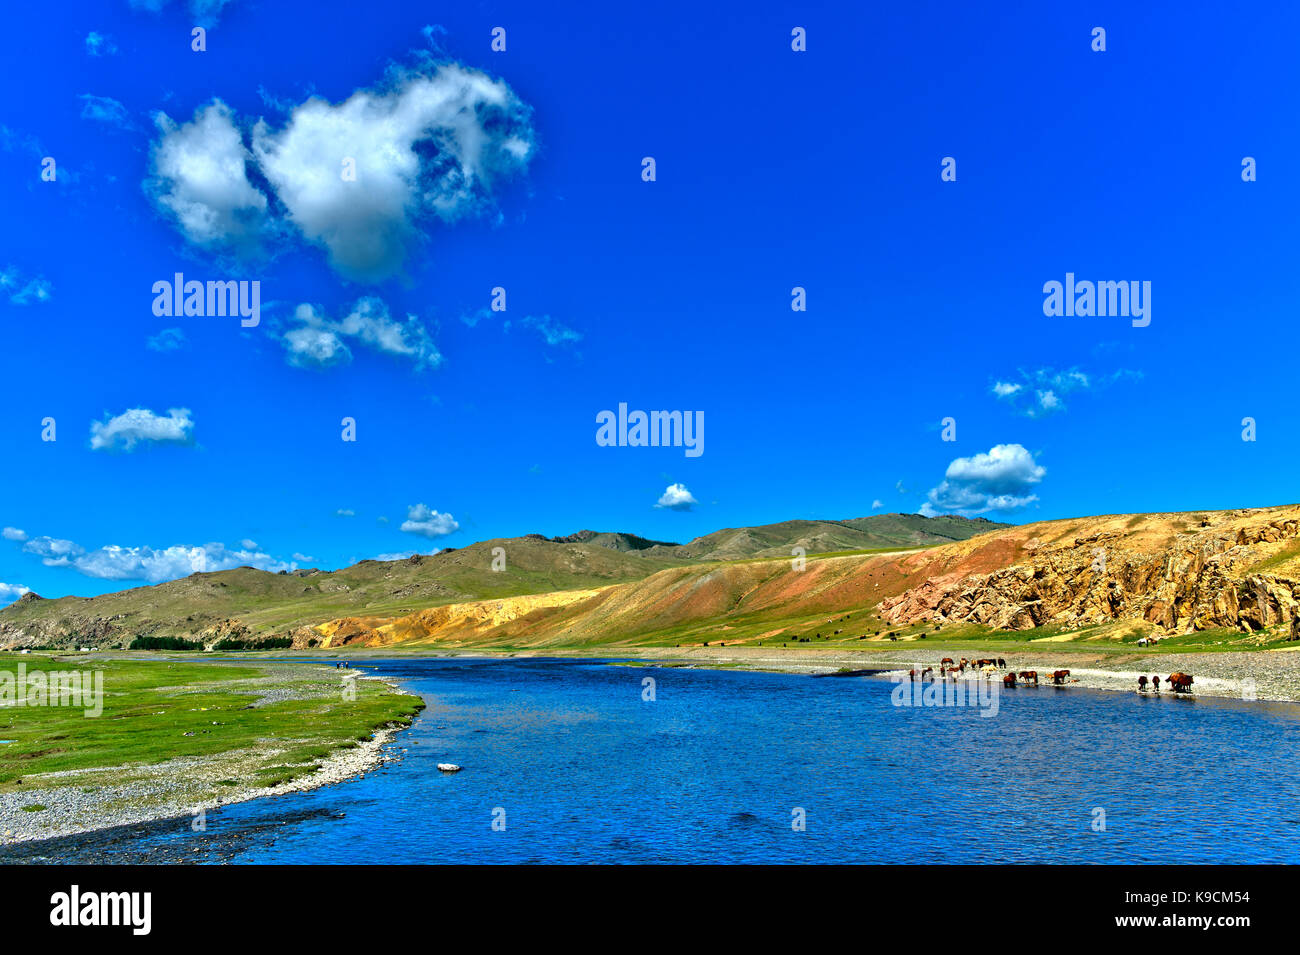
{"x":449,"y":767}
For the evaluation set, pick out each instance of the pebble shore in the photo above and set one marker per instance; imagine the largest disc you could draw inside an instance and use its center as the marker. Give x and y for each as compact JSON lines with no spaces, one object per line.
{"x":178,"y":789}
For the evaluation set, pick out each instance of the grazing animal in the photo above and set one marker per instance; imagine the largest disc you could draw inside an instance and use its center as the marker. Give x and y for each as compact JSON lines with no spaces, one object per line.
{"x":1009,"y":680}
{"x":945,"y":660}
{"x":1059,"y":676}
{"x":1002,"y":664}
{"x":1142,"y":684}
{"x":1029,"y":676}
{"x":1155,"y":683}
{"x":928,"y":671}
{"x":1181,"y":682}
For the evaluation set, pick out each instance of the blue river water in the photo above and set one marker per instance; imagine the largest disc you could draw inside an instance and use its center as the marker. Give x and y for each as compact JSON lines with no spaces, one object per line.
{"x":574,"y":766}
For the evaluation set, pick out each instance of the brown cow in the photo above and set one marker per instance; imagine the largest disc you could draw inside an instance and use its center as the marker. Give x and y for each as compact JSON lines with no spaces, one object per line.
{"x":1181,"y":682}
{"x":1059,"y":676}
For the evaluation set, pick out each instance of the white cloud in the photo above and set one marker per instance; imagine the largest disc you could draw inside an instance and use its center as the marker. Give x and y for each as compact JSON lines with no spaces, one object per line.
{"x":303,"y":558}
{"x":552,"y":331}
{"x":428,"y":144}
{"x":99,"y":44}
{"x":999,"y":480}
{"x":153,"y":565}
{"x":676,"y":498}
{"x":11,"y":592}
{"x":23,"y":289}
{"x":141,"y":426}
{"x":13,"y":534}
{"x":406,"y":554}
{"x":345,"y":512}
{"x":317,"y":342}
{"x":105,"y":109}
{"x":169,"y":339}
{"x":169,"y":563}
{"x":54,"y":552}
{"x":205,"y":12}
{"x":200,"y":178}
{"x":1042,"y":391}
{"x":877,"y":503}
{"x":428,"y":523}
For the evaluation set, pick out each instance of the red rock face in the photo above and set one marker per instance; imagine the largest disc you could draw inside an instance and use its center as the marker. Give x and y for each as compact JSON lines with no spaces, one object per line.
{"x":1196,"y":580}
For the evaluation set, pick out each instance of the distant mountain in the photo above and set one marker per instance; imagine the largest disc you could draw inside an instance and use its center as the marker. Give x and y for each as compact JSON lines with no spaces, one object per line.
{"x":879,"y":531}
{"x":614,"y":540}
{"x":247,"y":604}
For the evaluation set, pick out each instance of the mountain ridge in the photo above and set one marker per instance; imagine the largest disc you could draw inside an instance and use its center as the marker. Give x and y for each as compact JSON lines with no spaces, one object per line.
{"x":246,"y":603}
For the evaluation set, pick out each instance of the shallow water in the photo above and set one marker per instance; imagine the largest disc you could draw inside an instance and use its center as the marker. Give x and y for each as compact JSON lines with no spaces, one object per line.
{"x":582,"y":770}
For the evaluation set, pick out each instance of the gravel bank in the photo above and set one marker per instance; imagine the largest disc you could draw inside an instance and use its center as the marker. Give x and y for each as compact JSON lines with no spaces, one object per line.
{"x":87,"y":800}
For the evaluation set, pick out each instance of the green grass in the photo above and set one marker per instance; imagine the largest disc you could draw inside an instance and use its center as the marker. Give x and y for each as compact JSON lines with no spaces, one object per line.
{"x":156,"y":710}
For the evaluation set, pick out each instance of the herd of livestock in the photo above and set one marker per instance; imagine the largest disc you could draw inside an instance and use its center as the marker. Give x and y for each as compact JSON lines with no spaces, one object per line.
{"x":990,"y":666}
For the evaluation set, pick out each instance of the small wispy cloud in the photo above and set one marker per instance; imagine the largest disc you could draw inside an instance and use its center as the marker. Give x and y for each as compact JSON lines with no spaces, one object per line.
{"x":1039,"y":392}
{"x":106,"y":110}
{"x":24,"y":289}
{"x":100,"y":44}
{"x":169,"y":339}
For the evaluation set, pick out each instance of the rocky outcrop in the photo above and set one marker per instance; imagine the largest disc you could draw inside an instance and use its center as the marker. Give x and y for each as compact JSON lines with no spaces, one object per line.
{"x":1200,"y":580}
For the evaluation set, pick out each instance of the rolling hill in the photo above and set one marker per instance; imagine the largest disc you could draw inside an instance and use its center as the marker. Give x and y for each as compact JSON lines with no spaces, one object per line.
{"x":246,"y":603}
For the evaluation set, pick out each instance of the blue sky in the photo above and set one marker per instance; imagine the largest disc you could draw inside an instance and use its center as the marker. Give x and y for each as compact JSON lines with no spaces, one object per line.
{"x":189,"y":442}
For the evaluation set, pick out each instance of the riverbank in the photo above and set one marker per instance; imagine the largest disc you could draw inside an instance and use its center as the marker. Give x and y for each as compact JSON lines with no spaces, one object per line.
{"x":176,"y":739}
{"x":1256,"y":675}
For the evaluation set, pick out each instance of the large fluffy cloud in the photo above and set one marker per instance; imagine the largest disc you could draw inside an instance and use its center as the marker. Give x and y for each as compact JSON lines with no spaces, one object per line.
{"x":201,"y":179}
{"x":150,"y":564}
{"x":169,"y":563}
{"x":999,"y":480}
{"x":140,"y":426}
{"x":428,"y":523}
{"x":358,"y":178}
